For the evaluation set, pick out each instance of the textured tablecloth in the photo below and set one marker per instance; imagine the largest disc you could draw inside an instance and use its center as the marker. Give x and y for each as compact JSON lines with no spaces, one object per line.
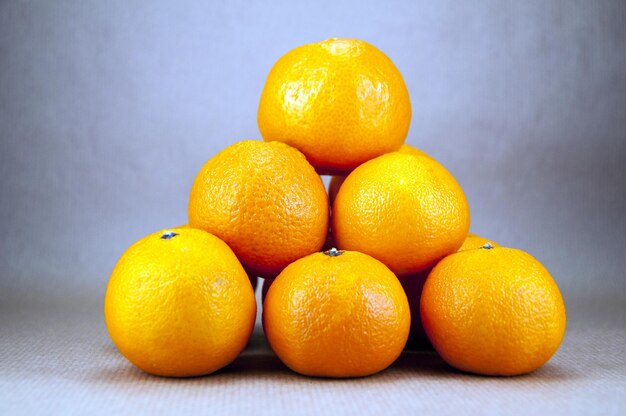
{"x":58,"y":359}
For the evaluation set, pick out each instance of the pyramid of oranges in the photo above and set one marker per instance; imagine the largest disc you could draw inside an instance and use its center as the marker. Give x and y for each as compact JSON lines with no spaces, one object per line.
{"x":348,"y":274}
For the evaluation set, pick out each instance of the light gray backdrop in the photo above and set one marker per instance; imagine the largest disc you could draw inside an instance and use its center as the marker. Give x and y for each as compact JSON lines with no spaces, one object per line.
{"x":108,"y":110}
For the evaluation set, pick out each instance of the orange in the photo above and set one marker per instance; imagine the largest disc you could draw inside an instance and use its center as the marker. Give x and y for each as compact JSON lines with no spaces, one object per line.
{"x":493,"y":311}
{"x":251,"y":276}
{"x":407,"y":211}
{"x":265,"y":201}
{"x":254,"y":281}
{"x":337,"y":180}
{"x":411,"y":150}
{"x":179,"y":304}
{"x":413,"y":286}
{"x":474,"y":241}
{"x":336,"y":314}
{"x":328,"y":244}
{"x":340,"y":101}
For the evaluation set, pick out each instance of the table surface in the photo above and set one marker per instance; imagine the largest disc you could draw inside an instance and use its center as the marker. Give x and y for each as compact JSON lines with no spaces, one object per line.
{"x":58,"y":359}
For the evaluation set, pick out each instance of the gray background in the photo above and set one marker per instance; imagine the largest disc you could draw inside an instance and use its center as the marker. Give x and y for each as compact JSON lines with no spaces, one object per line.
{"x":109,"y":109}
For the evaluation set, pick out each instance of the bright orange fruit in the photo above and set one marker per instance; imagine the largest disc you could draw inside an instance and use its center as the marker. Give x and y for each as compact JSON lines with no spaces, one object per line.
{"x":341,"y":102}
{"x":413,"y":286}
{"x":251,"y":276}
{"x":179,"y":304}
{"x":337,"y":180}
{"x":474,"y":241}
{"x":265,"y":201}
{"x":336,"y":314}
{"x":493,"y":311}
{"x":407,"y":211}
{"x":329,"y":244}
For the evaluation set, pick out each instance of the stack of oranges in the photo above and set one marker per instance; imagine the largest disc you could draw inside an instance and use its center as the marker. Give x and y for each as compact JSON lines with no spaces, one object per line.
{"x":348,"y":274}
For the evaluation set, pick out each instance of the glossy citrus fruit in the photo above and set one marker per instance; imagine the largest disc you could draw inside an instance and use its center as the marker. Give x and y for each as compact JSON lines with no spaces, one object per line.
{"x":474,"y":241}
{"x":251,"y":275}
{"x":406,"y":211}
{"x":336,"y":314}
{"x":337,"y":180}
{"x":265,"y":201}
{"x":179,"y":304}
{"x":493,"y":311}
{"x":340,"y":101}
{"x":414,"y":284}
{"x":412,"y":150}
{"x":329,"y":244}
